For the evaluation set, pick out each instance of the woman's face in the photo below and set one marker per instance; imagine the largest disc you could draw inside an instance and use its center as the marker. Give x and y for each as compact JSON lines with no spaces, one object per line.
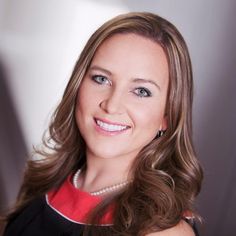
{"x":121,"y":100}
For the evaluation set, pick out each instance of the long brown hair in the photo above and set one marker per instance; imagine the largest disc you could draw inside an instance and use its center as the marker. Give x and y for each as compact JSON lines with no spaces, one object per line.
{"x":167,"y":175}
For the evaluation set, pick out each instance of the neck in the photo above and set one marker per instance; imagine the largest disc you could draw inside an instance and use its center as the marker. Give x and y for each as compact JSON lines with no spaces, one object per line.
{"x":102,"y":172}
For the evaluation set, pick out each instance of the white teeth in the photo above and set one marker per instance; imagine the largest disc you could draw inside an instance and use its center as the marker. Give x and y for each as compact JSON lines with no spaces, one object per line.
{"x":109,"y":127}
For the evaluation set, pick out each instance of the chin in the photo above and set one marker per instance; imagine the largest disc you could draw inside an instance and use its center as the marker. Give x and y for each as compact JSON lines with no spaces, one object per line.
{"x":107,"y":154}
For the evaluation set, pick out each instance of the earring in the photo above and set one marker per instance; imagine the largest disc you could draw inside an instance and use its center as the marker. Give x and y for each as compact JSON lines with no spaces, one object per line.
{"x":160,"y":133}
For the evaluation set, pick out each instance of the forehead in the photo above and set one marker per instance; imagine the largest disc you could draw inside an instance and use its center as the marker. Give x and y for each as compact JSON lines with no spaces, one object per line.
{"x":132,"y":54}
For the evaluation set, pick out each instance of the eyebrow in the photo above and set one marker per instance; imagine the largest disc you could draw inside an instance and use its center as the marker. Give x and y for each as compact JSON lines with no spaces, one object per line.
{"x":141,"y":80}
{"x":101,"y":69}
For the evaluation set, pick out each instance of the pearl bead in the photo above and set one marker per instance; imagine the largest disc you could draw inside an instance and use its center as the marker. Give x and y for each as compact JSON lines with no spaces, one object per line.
{"x":101,"y":191}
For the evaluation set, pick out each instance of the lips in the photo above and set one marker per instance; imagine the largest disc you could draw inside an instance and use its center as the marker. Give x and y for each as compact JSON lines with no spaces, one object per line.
{"x":110,"y":127}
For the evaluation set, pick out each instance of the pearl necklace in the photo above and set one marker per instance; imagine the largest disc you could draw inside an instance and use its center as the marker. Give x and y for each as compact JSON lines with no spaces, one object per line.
{"x":111,"y":188}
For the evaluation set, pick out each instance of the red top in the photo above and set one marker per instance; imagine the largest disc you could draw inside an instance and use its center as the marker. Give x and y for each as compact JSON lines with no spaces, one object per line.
{"x":74,"y":204}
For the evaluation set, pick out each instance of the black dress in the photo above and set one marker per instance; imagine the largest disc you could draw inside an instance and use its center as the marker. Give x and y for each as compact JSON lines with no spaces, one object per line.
{"x":59,"y":213}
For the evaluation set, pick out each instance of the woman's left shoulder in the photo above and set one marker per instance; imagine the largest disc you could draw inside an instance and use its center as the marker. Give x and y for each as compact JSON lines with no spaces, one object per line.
{"x":182,"y":228}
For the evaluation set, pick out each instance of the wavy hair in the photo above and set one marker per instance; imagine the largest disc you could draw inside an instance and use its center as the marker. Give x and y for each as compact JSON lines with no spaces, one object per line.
{"x":167,"y":175}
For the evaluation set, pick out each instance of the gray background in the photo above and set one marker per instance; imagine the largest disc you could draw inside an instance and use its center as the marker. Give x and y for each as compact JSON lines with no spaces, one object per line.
{"x":39,"y":43}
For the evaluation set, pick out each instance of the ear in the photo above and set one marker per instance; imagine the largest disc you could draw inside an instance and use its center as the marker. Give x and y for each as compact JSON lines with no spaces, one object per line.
{"x":164,"y":124}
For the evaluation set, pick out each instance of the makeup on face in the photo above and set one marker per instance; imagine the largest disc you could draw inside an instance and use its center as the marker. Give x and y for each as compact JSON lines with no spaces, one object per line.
{"x":121,"y":100}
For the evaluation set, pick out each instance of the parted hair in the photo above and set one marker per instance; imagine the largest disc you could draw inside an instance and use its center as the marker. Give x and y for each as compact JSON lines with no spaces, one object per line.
{"x":167,"y":174}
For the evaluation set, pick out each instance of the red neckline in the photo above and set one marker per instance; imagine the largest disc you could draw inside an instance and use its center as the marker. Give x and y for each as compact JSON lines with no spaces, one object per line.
{"x":75,"y":204}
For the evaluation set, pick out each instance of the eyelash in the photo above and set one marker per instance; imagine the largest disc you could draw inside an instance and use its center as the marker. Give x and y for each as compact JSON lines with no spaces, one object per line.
{"x":147,"y":92}
{"x":97,"y":79}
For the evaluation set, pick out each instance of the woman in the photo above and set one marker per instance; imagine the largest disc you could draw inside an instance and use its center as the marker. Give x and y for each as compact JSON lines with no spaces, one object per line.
{"x":119,"y":158}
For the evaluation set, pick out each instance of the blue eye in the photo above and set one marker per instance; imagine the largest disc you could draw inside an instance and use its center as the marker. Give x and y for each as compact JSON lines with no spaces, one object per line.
{"x":100,"y":79}
{"x":142,"y":92}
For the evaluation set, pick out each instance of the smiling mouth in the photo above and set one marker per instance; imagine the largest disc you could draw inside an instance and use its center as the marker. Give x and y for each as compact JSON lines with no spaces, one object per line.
{"x":111,"y":127}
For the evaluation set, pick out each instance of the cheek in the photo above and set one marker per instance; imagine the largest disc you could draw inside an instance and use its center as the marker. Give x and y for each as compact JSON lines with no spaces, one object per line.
{"x":88,"y":96}
{"x":83,"y":100}
{"x":81,"y":107}
{"x":148,"y":119}
{"x":78,"y":115}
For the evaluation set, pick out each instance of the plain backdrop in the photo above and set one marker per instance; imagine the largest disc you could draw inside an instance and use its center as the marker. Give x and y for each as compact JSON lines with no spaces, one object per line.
{"x":40,"y":41}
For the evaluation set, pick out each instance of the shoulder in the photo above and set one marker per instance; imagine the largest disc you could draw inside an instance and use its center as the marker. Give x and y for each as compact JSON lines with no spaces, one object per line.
{"x":182,"y":228}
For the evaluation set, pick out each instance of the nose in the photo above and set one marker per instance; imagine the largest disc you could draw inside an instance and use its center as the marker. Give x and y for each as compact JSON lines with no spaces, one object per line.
{"x":113,"y":103}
